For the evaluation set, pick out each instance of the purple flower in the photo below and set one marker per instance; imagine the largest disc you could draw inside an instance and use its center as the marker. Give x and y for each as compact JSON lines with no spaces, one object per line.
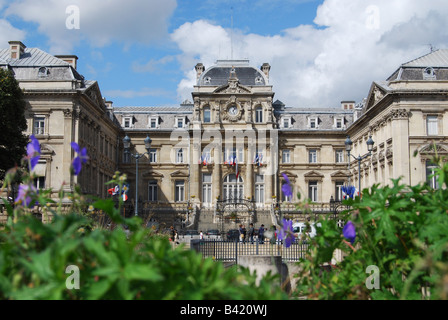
{"x":349,"y":231}
{"x":287,"y":188}
{"x":81,"y":158}
{"x":33,"y":151}
{"x":286,"y":233}
{"x":25,"y":193}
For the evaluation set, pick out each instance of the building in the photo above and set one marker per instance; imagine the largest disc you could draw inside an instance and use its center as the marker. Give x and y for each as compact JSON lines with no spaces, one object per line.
{"x":63,"y":107}
{"x":226,"y":152}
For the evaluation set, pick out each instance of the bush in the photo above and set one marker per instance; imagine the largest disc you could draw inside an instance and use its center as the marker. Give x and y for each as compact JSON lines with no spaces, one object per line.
{"x":401,"y":232}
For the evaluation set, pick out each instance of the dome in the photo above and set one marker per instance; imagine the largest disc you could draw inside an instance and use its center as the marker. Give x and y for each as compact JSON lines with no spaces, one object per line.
{"x":219,"y":74}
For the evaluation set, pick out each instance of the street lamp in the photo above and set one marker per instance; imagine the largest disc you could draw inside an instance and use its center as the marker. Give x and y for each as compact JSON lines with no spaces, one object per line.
{"x":136,"y":156}
{"x":348,"y":148}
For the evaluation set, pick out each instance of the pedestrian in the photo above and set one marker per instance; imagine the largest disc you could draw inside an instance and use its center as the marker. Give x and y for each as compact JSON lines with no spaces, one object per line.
{"x":240,"y":230}
{"x":251,"y":233}
{"x":261,"y":234}
{"x":172,"y":233}
{"x":244,"y":233}
{"x":201,"y":235}
{"x":274,"y":234}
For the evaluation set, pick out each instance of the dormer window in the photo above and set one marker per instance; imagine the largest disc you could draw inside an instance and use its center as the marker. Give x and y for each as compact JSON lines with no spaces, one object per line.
{"x":429,"y":74}
{"x":180,"y":122}
{"x":313,"y":122}
{"x":207,"y":80}
{"x":258,"y":80}
{"x":286,"y":122}
{"x":43,"y":72}
{"x":128,"y":122}
{"x":153,"y":122}
{"x":339,"y":123}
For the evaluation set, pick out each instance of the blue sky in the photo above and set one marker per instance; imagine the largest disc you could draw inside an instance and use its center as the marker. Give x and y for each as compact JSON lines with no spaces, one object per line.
{"x":143,"y":52}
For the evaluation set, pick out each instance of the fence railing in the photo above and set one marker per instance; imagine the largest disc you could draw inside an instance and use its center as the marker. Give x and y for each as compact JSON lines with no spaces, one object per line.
{"x":228,"y":251}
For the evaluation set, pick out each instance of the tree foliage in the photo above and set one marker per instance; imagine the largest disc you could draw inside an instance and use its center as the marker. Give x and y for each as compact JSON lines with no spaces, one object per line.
{"x":12,"y":122}
{"x":401,"y":231}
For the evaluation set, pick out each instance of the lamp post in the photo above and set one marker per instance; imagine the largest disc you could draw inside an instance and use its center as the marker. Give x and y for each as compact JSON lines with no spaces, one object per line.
{"x":348,"y":148}
{"x":136,"y":156}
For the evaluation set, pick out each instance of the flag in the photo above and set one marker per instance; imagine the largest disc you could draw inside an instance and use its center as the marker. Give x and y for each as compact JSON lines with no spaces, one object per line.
{"x":236,"y":169}
{"x":114,"y":191}
{"x":124,"y":192}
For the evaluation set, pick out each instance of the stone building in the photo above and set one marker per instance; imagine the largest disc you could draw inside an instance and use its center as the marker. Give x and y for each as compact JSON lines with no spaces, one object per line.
{"x":63,"y":107}
{"x":225,"y":153}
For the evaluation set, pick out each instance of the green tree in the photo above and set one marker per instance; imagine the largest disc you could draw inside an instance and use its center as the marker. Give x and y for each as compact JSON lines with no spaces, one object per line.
{"x":12,"y":122}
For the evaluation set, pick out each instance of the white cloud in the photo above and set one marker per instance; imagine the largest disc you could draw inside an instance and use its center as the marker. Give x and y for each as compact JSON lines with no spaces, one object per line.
{"x":352,"y":44}
{"x":152,"y":65}
{"x":100,"y":22}
{"x":8,"y":33}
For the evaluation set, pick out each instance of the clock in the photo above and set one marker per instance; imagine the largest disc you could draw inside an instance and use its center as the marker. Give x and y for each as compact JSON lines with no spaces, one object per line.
{"x":233,"y":110}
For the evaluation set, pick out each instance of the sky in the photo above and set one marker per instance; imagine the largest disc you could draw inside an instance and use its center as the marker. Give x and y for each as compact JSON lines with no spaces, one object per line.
{"x":143,"y":52}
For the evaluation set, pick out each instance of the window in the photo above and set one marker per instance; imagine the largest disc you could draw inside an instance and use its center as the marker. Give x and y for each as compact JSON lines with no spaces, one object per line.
{"x":153,"y":122}
{"x":180,"y":191}
{"x":152,"y":155}
{"x":338,"y":190}
{"x":207,"y":115}
{"x":284,"y":197}
{"x":39,"y":182}
{"x":312,"y":156}
{"x":39,"y":125}
{"x":286,"y":156}
{"x":431,"y":176}
{"x":180,"y":156}
{"x":258,"y":115}
{"x":313,"y":123}
{"x":286,"y":123}
{"x":207,"y":188}
{"x":259,"y":189}
{"x":312,"y":191}
{"x":233,"y":189}
{"x":152,"y":190}
{"x":432,"y":125}
{"x":180,"y":122}
{"x":338,"y":123}
{"x":339,"y":155}
{"x":127,"y":122}
{"x":43,"y":72}
{"x":230,"y":154}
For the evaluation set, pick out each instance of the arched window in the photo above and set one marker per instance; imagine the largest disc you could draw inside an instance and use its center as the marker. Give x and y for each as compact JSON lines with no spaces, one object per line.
{"x":233,"y":189}
{"x":258,"y":115}
{"x":207,"y":115}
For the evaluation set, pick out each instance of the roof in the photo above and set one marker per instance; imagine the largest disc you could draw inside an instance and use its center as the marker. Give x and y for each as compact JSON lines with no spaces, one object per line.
{"x":433,"y":66}
{"x":435,"y":59}
{"x":219,"y":74}
{"x":153,"y":109}
{"x":32,"y":57}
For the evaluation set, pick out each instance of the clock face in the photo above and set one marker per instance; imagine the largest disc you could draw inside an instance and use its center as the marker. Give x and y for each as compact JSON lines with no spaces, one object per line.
{"x":233,"y":110}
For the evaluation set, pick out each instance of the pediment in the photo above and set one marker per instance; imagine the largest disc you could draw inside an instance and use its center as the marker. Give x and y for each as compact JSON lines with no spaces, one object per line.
{"x":313,"y":174}
{"x":94,"y":94}
{"x":376,"y":94}
{"x":153,"y":174}
{"x":432,"y":149}
{"x":339,"y":174}
{"x":179,"y":174}
{"x":232,"y":87}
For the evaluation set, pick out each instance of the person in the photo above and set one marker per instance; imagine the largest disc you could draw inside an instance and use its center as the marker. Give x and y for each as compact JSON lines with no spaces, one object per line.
{"x":201,"y":235}
{"x":240,"y":229}
{"x":261,"y":234}
{"x":172,"y":233}
{"x":274,"y":234}
{"x":244,"y":233}
{"x":251,"y":233}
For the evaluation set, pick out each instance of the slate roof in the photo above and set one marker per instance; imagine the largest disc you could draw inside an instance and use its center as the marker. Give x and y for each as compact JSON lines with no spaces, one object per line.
{"x":218,"y":74}
{"x":32,"y":57}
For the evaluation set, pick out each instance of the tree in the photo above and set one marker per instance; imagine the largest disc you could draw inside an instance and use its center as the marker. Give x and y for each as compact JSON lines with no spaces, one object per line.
{"x":12,"y":122}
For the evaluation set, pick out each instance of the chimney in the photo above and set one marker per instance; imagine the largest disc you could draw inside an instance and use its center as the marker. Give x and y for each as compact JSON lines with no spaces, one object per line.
{"x":266,"y":68}
{"x":16,"y":49}
{"x":71,"y":59}
{"x":348,"y":105}
{"x":199,"y":69}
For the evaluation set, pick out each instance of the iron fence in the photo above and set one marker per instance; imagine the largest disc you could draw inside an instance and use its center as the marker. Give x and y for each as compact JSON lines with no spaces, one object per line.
{"x":228,"y":251}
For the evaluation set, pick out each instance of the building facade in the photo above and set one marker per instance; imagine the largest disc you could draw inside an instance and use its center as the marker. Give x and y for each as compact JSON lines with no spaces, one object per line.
{"x":228,"y":150}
